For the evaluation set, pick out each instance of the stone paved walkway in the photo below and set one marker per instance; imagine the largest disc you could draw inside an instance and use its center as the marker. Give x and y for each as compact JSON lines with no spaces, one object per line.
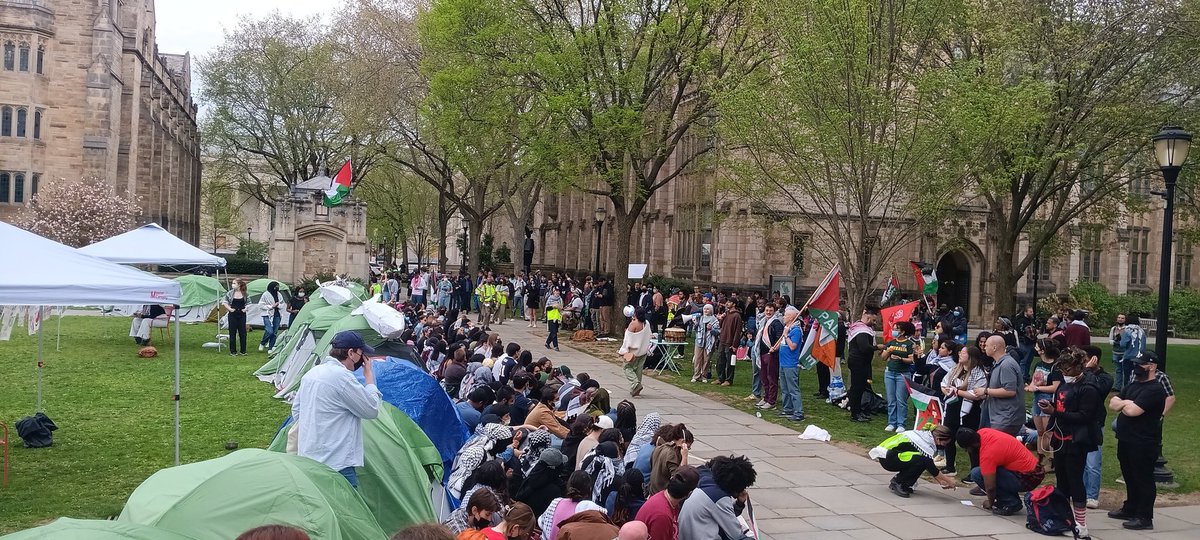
{"x":816,"y":491}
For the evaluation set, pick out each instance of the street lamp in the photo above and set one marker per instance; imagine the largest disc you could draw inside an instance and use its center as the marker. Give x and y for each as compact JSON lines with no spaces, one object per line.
{"x":600,"y":215}
{"x":1171,"y":149}
{"x":420,"y":244}
{"x":1171,"y":146}
{"x":248,"y":235}
{"x":463,"y":252}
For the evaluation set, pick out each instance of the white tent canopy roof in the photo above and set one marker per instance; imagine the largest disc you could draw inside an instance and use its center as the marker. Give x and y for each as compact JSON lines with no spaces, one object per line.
{"x":46,"y":273}
{"x":150,"y":244}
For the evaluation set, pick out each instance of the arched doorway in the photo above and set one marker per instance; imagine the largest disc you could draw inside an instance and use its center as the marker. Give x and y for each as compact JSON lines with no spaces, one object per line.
{"x":954,"y":280}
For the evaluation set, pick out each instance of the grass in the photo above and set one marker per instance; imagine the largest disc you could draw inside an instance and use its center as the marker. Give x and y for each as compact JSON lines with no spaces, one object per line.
{"x":1182,"y":423}
{"x":115,"y":415}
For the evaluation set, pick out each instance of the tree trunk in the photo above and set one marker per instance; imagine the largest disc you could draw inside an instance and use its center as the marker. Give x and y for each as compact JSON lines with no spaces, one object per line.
{"x":404,"y":251}
{"x":475,"y":230}
{"x":620,"y":264}
{"x":1004,"y":300}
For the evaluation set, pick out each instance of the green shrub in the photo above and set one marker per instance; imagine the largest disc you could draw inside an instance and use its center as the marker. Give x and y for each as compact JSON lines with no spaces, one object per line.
{"x":1103,"y":306}
{"x":246,"y":266}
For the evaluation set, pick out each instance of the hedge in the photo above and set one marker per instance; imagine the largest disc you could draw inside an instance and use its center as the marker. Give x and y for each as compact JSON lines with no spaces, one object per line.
{"x":246,"y":266}
{"x":1103,"y":306}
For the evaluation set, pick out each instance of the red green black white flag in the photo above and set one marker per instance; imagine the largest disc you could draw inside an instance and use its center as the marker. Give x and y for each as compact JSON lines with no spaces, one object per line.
{"x":339,"y":186}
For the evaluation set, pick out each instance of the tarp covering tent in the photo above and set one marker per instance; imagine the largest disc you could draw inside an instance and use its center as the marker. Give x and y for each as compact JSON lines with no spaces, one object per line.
{"x":255,"y":290}
{"x":224,"y":497}
{"x":151,"y":244}
{"x":94,"y":529}
{"x":52,"y":274}
{"x":359,"y":324}
{"x":300,"y":359}
{"x":200,"y":295}
{"x":357,"y":288}
{"x":420,"y":396}
{"x":400,"y":469}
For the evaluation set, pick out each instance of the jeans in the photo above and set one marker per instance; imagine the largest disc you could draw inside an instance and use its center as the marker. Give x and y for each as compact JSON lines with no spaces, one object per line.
{"x":1091,"y":474}
{"x":1121,"y":370}
{"x":756,"y":387}
{"x":1026,"y":359}
{"x":351,"y":476}
{"x":725,"y":367}
{"x":270,"y":329}
{"x":552,"y":337}
{"x":897,"y":396}
{"x":789,"y":390}
{"x":1008,"y":489}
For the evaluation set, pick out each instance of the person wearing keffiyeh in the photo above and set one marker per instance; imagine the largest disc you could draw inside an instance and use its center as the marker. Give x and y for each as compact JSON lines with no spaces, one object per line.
{"x":537,"y":441}
{"x":644,"y":436}
{"x":604,"y":466}
{"x":489,"y":440}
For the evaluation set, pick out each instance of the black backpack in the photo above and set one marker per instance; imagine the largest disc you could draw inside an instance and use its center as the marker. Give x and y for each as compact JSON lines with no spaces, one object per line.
{"x":1048,"y":512}
{"x":36,"y":430}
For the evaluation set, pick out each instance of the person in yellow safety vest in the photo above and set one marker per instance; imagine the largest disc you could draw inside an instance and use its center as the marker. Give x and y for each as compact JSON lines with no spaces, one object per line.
{"x":553,"y":320}
{"x":487,"y":301}
{"x":910,"y":453}
{"x":501,"y":300}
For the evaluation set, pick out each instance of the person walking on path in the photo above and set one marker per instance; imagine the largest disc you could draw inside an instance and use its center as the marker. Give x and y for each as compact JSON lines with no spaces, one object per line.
{"x":1118,"y":350}
{"x":235,"y":303}
{"x":860,"y":350}
{"x":1140,"y":407}
{"x":634,"y":349}
{"x":731,"y":333}
{"x":331,"y":405}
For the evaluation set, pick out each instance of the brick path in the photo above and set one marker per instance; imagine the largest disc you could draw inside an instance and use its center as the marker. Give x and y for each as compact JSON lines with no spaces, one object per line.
{"x":816,"y":491}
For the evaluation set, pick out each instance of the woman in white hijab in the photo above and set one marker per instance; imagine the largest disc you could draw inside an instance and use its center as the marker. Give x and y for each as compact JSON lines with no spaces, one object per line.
{"x":707,"y":330}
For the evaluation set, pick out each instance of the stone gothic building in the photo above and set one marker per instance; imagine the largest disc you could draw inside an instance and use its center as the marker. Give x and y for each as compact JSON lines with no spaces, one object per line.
{"x":84,"y":92}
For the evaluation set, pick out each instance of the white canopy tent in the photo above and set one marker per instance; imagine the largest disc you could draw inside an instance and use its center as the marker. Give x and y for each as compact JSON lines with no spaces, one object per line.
{"x":151,"y":244}
{"x":51,"y":274}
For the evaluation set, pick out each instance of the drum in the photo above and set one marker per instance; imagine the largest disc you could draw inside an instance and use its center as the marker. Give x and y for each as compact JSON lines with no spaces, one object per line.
{"x":674,"y":334}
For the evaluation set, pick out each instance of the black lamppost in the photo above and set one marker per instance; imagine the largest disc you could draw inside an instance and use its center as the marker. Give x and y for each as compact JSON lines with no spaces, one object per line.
{"x":600,"y":215}
{"x":248,"y":235}
{"x":463,"y":252}
{"x":1171,"y":146}
{"x":420,"y":244}
{"x":1171,"y":149}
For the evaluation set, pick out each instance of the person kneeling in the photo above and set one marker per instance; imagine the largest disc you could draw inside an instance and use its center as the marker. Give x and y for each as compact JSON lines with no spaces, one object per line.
{"x":908,"y":454}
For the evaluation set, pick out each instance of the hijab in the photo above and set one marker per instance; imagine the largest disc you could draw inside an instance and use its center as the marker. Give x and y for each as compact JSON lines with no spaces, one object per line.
{"x":476,"y":450}
{"x":645,"y":435}
{"x":603,"y":465}
{"x":600,"y":403}
{"x":535,"y":443}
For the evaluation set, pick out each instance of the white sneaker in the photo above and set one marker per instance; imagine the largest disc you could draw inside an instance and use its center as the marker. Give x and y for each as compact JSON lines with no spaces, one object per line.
{"x":888,"y":428}
{"x":1093,"y":503}
{"x":761,"y":403}
{"x":260,"y":348}
{"x":694,"y":379}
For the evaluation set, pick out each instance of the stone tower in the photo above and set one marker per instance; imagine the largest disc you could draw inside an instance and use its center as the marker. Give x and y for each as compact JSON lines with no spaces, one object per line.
{"x":310,"y":238}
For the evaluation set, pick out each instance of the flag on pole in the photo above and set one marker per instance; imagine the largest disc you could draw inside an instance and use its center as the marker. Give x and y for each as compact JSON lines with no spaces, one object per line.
{"x":895,"y":314}
{"x":821,"y":343}
{"x":339,"y":186}
{"x":893,"y":285}
{"x":929,"y":407}
{"x":926,"y":277}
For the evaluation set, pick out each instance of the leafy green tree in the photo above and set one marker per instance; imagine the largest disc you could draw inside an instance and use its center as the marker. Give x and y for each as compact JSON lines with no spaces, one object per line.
{"x":840,"y":131}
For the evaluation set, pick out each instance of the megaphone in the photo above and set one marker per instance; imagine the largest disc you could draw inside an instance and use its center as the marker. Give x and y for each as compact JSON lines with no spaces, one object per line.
{"x":687,"y":318}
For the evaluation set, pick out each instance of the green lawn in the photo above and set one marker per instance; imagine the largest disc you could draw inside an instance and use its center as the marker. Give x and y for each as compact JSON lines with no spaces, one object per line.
{"x":115,"y":415}
{"x":1182,"y":422}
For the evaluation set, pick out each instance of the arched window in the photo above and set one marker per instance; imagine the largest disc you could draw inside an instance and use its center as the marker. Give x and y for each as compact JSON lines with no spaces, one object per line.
{"x":24,"y":57}
{"x":3,"y":187}
{"x":21,"y":122}
{"x":41,"y":57}
{"x":5,"y":121}
{"x":10,"y":56}
{"x":19,"y":188}
{"x":37,"y":124}
{"x":36,"y":180}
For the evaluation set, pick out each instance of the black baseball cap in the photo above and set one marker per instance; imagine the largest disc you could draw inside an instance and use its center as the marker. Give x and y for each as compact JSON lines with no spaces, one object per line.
{"x":1145,"y":358}
{"x":349,"y":339}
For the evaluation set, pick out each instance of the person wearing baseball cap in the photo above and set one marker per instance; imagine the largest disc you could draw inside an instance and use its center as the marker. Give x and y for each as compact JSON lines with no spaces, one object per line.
{"x":1140,"y":406}
{"x":331,"y":404}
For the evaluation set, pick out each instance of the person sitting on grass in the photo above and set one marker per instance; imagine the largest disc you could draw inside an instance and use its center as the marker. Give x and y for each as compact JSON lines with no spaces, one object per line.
{"x":909,"y":453}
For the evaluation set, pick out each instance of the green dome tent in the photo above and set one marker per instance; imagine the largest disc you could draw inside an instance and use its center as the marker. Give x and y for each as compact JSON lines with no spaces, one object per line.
{"x":223,"y":497}
{"x":300,"y":358}
{"x":358,"y":323}
{"x":401,"y":469}
{"x":255,"y":290}
{"x":289,"y":338}
{"x":94,"y":529}
{"x":200,"y":296}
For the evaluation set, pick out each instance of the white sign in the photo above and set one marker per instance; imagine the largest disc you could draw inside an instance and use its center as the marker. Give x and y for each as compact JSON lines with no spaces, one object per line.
{"x":637,"y":271}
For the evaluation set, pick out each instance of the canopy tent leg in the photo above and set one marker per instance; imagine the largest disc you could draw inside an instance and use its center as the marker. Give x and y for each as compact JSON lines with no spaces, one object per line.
{"x":58,"y":345}
{"x":41,"y":359}
{"x":176,"y":391}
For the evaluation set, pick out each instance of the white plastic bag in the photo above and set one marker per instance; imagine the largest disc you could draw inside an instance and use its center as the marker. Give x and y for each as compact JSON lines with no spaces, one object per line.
{"x":814,"y":433}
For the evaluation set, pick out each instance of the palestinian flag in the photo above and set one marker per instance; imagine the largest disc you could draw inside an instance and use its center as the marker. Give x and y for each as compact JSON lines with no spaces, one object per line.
{"x":893,"y":285}
{"x":926,"y":277}
{"x":929,"y":406}
{"x":339,"y":186}
{"x":821,"y":343}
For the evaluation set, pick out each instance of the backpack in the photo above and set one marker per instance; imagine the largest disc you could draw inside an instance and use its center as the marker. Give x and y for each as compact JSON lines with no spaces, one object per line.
{"x":1048,"y":512}
{"x":36,"y":430}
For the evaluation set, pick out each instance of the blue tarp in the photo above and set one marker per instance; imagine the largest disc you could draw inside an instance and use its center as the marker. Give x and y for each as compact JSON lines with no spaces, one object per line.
{"x":419,"y":395}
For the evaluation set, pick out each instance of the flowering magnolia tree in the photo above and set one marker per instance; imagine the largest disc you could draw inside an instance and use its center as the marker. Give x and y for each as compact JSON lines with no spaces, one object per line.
{"x":79,"y":213}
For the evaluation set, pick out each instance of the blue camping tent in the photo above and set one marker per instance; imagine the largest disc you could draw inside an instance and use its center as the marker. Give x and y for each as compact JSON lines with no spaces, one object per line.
{"x":419,"y":395}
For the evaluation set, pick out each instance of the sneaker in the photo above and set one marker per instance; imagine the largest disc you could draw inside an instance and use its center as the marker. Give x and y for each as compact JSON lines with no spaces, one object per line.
{"x":703,"y":380}
{"x":694,"y":379}
{"x":750,"y":397}
{"x":726,"y":383}
{"x":637,"y":390}
{"x":784,"y":413}
{"x":260,"y":348}
{"x":898,"y":489}
{"x":978,"y":491}
{"x":1007,"y":510}
{"x":888,"y":428}
{"x":797,"y":418}
{"x":767,"y":407}
{"x":1120,"y":513}
{"x":761,"y":403}
{"x":860,"y":418}
{"x":1139,"y":524}
{"x":1093,"y":503}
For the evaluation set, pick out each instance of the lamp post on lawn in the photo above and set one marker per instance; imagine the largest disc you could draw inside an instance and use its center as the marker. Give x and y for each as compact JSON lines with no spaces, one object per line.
{"x":1171,"y":146}
{"x":420,"y":244}
{"x":248,"y":235}
{"x":600,"y":215}
{"x":463,"y":252}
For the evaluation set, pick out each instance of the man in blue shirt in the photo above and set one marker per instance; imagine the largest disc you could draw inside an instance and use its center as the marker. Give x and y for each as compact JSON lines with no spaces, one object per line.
{"x":789,"y":365}
{"x":471,"y":410}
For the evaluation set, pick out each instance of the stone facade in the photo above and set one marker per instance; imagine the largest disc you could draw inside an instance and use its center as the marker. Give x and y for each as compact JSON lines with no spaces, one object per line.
{"x":308,"y":238}
{"x":91,"y":96}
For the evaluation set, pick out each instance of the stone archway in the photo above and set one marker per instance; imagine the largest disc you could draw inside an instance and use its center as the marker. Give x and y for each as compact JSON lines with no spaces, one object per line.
{"x":955,"y":280}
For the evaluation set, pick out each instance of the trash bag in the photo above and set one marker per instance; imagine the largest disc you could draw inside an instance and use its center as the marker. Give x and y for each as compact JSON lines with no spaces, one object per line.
{"x":36,"y":431}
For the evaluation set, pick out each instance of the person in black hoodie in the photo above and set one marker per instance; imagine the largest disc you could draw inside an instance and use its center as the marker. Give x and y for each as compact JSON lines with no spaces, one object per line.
{"x":860,"y":349}
{"x":1073,"y":410}
{"x":545,"y":482}
{"x":1091,"y":470}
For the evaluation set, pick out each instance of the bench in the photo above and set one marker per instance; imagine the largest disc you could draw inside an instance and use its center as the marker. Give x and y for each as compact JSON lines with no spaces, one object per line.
{"x":1151,"y":327}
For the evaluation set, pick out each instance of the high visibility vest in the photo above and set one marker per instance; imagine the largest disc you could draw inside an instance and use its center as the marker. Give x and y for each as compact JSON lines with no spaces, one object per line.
{"x":897,"y":440}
